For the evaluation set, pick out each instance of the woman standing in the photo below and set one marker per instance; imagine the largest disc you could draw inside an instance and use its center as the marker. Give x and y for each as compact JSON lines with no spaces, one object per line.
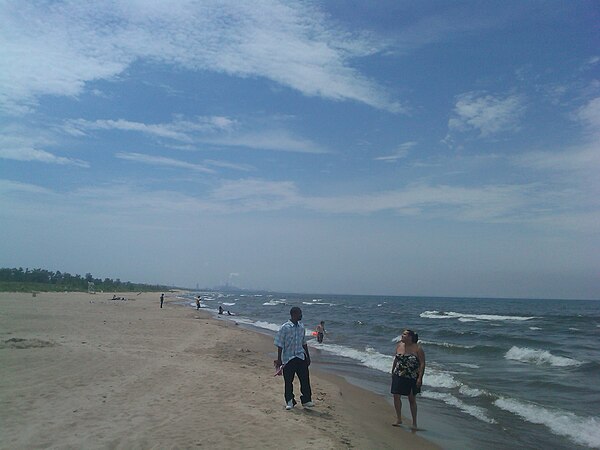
{"x":407,"y":374}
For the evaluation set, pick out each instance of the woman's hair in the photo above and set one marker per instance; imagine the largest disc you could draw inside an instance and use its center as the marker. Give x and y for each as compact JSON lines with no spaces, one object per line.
{"x":415,"y":336}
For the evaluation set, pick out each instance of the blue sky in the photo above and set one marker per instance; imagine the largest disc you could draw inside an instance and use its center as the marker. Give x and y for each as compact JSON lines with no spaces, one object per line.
{"x":396,"y":148}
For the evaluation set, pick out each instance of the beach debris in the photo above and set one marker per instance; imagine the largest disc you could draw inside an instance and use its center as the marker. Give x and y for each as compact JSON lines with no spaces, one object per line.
{"x":22,"y":343}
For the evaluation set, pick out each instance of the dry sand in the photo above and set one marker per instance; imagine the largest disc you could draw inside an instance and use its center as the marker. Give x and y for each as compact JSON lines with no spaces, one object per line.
{"x":83,"y":371}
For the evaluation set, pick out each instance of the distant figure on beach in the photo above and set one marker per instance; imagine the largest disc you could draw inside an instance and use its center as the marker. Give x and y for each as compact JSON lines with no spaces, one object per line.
{"x":162,"y":298}
{"x":407,"y":374}
{"x":292,"y":353}
{"x":320,"y":331}
{"x":220,"y":309}
{"x":198,"y":303}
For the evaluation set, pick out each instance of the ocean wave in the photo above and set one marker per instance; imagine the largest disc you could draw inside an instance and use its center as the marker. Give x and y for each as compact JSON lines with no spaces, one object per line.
{"x":440,"y":344}
{"x":471,"y":392}
{"x":315,"y":302}
{"x":373,"y":359}
{"x":470,"y":366}
{"x":475,"y":411}
{"x":539,"y":357}
{"x":368,"y":357}
{"x":581,"y":430}
{"x":274,"y":302}
{"x":258,"y":323}
{"x":534,"y":328}
{"x":229,"y":304}
{"x":469,"y":317}
{"x":439,"y":379}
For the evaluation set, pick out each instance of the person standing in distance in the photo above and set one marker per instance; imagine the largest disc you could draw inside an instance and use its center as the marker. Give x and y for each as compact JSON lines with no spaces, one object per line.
{"x":292,"y":352}
{"x":162,"y":298}
{"x":320,"y":332}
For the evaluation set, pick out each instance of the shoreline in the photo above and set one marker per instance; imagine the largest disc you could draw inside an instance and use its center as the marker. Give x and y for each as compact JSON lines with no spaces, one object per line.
{"x":81,"y":369}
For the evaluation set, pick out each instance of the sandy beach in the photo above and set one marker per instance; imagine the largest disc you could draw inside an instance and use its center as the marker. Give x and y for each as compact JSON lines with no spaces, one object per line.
{"x":83,"y":371}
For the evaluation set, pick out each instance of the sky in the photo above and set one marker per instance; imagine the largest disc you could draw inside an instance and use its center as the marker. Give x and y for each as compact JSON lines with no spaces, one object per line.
{"x":426,"y":148}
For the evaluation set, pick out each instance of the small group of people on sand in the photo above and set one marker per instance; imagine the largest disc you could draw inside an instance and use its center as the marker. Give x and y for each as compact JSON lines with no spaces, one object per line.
{"x":293,"y":359}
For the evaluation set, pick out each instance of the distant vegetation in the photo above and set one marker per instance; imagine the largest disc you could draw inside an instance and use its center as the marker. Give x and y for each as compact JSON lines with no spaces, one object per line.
{"x":26,"y":280}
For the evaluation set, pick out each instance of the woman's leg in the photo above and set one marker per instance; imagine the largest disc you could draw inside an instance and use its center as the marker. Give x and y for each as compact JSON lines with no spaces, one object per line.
{"x":412,"y":399}
{"x":398,"y":406}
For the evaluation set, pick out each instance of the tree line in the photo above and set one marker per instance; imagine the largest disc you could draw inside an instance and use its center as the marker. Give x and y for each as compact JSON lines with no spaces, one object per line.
{"x":20,"y":279}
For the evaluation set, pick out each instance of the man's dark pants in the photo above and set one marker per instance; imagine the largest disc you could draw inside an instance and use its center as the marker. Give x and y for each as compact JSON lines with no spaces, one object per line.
{"x":300,"y":367}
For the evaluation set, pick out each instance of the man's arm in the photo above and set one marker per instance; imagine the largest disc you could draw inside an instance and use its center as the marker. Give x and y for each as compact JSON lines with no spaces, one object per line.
{"x":278,"y":360}
{"x":305,"y":347}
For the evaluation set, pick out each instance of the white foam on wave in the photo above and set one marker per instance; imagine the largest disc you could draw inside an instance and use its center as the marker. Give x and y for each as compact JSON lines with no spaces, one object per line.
{"x":471,"y":392}
{"x":265,"y":325}
{"x":258,"y":323}
{"x":439,"y":379}
{"x":469,"y":317}
{"x":439,"y":344}
{"x":228,"y":304}
{"x":472,"y":410}
{"x":470,"y":366}
{"x":367,"y":357}
{"x":315,"y":302}
{"x":274,"y":302}
{"x":534,"y":328}
{"x":539,"y":357}
{"x":581,"y":430}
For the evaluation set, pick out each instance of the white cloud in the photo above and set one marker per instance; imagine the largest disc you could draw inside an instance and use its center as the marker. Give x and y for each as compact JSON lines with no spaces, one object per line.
{"x":589,"y":114}
{"x":17,"y":146}
{"x":229,"y":165}
{"x":162,"y":161}
{"x":584,"y":158}
{"x":486,"y":114}
{"x":179,"y":130}
{"x":534,"y":204}
{"x":9,"y":186}
{"x":277,"y":140}
{"x":75,"y":42}
{"x":219,"y":131}
{"x":400,"y":153}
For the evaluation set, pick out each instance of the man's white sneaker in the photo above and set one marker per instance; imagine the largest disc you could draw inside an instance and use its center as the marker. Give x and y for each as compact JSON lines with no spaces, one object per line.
{"x":289,"y":405}
{"x":308,"y":404}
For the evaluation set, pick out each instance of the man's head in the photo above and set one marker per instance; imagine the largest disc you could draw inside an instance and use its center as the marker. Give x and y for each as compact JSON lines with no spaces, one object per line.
{"x":295,"y":314}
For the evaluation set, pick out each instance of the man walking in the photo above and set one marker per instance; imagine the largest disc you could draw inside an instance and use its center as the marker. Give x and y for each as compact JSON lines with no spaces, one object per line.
{"x":162,"y":299}
{"x":292,"y":352}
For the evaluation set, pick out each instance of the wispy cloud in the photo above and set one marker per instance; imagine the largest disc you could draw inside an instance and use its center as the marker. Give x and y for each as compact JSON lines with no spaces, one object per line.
{"x":276,"y":140}
{"x":589,"y":115}
{"x":219,"y":131}
{"x":17,"y":146}
{"x":73,"y":43}
{"x":180,"y":129}
{"x":162,"y":161}
{"x":532,"y":204}
{"x":400,"y":153}
{"x":486,"y":114}
{"x":176,"y":163}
